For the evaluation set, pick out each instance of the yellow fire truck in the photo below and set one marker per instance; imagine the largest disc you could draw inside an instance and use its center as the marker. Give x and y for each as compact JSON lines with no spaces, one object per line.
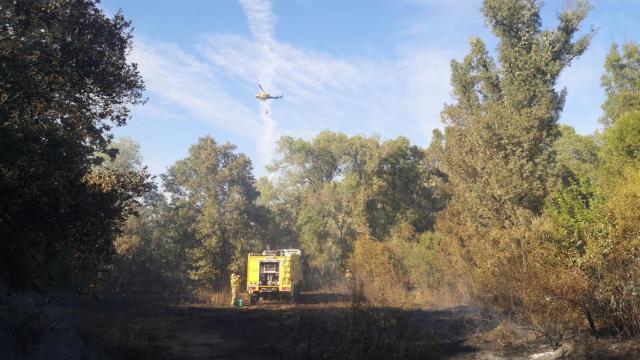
{"x":274,"y":273}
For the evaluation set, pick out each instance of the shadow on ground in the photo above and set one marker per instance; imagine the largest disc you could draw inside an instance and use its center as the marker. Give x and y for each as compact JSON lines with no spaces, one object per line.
{"x":323,"y":298}
{"x":321,"y":326}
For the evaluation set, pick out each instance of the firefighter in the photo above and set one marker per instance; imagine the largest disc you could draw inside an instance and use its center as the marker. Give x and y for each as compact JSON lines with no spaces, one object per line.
{"x":235,"y":287}
{"x":349,"y":278}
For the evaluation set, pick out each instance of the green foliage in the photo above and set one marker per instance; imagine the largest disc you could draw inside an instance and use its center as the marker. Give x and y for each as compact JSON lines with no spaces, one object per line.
{"x":64,"y":81}
{"x":576,"y":155}
{"x":279,"y":207}
{"x":583,"y":252}
{"x":538,"y":220}
{"x":424,"y":268}
{"x":498,"y":143}
{"x":217,"y":185}
{"x":151,"y":250}
{"x":406,"y":269}
{"x":621,"y":147}
{"x":310,"y":163}
{"x":595,"y":238}
{"x":333,"y":188}
{"x":573,"y":210}
{"x":396,"y":190}
{"x":621,"y":82}
{"x":326,"y":228}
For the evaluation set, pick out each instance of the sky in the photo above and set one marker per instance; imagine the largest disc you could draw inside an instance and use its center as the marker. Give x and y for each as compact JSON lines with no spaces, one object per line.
{"x":369,"y":67}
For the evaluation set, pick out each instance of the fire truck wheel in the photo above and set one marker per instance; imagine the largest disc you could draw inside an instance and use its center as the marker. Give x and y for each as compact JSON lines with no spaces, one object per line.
{"x":253,"y":299}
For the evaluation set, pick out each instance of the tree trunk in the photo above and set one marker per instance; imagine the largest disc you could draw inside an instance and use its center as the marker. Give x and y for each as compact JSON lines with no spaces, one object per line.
{"x":592,"y":325}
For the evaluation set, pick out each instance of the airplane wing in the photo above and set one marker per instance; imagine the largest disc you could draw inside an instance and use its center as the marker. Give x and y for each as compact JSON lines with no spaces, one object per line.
{"x":260,"y":86}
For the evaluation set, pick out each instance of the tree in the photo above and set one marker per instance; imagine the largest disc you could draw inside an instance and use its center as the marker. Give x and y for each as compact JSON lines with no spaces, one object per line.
{"x":64,"y":82}
{"x":397,"y":191}
{"x":500,"y":132}
{"x":123,"y":155}
{"x":279,"y":207}
{"x":342,"y":187}
{"x":215,"y":183}
{"x":576,"y":155}
{"x":327,"y":230}
{"x":621,"y":82}
{"x":621,"y":147}
{"x":312,"y":163}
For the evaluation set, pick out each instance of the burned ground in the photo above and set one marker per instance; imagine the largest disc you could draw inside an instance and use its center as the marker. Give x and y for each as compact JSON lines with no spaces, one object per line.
{"x":322,"y":326}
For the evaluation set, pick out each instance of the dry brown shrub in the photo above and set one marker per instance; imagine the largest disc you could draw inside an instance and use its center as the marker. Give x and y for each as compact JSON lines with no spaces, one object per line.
{"x":552,"y":299}
{"x":379,"y":274}
{"x":435,"y":278}
{"x":618,"y":266}
{"x":213,"y":297}
{"x":457,"y":282}
{"x":527,"y":280}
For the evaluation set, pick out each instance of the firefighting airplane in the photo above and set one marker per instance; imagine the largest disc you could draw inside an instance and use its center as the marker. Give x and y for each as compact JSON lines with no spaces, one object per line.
{"x":264,"y":96}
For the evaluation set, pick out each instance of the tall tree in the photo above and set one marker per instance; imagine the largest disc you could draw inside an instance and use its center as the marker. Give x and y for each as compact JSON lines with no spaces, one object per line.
{"x":501,"y":129}
{"x":216,"y":184}
{"x":621,"y":148}
{"x":64,"y":82}
{"x":621,"y":82}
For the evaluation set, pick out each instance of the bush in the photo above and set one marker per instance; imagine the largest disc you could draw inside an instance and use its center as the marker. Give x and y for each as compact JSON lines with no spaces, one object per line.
{"x":378,"y":271}
{"x":432,"y":276}
{"x":579,"y":263}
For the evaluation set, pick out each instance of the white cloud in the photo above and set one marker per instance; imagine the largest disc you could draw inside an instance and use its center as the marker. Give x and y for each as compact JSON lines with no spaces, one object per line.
{"x":325,"y":91}
{"x":177,"y":79}
{"x":215,"y":78}
{"x":261,"y":25}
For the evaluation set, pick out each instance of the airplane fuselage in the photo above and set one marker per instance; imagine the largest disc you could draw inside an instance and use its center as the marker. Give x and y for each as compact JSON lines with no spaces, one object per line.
{"x":265,"y":97}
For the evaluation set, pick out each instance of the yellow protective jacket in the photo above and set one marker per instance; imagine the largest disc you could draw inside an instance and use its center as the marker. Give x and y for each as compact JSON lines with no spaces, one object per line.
{"x":235,"y":281}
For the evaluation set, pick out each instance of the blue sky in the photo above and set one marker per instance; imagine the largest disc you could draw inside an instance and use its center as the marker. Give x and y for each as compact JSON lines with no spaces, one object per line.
{"x":372,"y":67}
